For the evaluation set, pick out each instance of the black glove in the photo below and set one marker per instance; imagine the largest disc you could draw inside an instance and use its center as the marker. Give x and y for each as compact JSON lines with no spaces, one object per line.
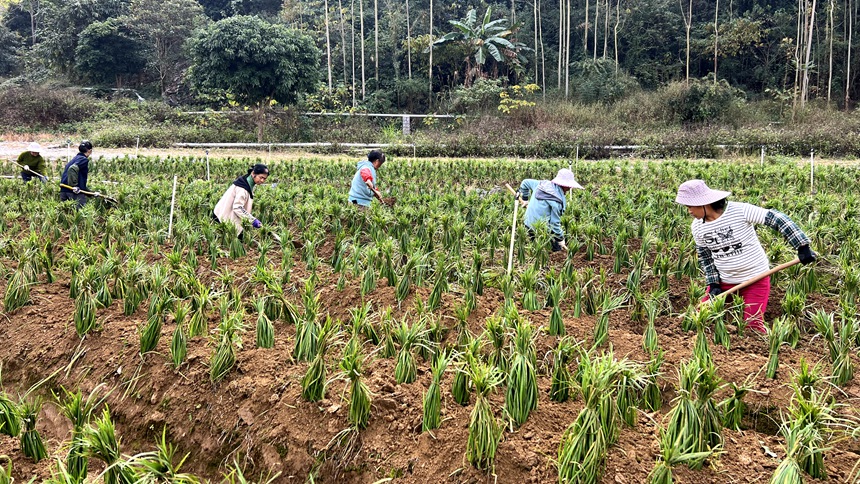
{"x":714,"y":290}
{"x":805,"y":254}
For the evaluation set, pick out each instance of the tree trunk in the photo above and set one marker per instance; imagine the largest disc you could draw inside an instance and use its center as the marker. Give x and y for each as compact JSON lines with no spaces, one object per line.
{"x":363,"y":78}
{"x":408,"y":41}
{"x":606,"y":29}
{"x":596,"y":23}
{"x":34,"y":11}
{"x":801,"y":16}
{"x":513,"y":12}
{"x":617,"y":22}
{"x":585,"y":35}
{"x":430,"y":70}
{"x":328,"y":47}
{"x":542,"y":52}
{"x":567,"y":54}
{"x":716,"y":38}
{"x":376,"y":41}
{"x":352,"y":25}
{"x":560,"y":40}
{"x":850,"y":14}
{"x":805,"y":92}
{"x":342,"y":40}
{"x":261,"y":118}
{"x":830,"y":69}
{"x":688,"y":23}
{"x":535,"y":25}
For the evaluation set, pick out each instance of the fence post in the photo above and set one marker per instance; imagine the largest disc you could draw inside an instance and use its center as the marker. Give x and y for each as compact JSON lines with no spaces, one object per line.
{"x":762,"y":155}
{"x":812,"y":172}
{"x":407,"y":127}
{"x":207,"y":166}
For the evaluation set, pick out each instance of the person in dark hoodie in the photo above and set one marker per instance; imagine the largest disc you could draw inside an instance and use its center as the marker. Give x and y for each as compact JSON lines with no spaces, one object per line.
{"x":546,"y":201}
{"x":75,"y":175}
{"x":235,"y":205}
{"x":363,"y":188}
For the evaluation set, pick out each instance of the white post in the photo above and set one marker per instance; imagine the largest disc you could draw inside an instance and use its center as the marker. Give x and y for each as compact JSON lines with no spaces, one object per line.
{"x":513,"y":234}
{"x":172,"y":206}
{"x":207,"y":166}
{"x":68,"y":150}
{"x":577,"y":160}
{"x":762,"y":155}
{"x":137,"y":148}
{"x":812,"y":171}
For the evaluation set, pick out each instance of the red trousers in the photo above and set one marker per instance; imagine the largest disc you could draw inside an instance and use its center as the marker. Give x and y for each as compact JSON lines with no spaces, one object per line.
{"x":755,"y":302}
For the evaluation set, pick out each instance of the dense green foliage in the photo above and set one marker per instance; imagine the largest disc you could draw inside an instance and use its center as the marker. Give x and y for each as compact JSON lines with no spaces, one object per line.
{"x":379,"y":52}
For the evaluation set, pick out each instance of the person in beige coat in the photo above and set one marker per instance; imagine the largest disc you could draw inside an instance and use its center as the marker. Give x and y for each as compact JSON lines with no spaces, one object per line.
{"x":235,"y":205}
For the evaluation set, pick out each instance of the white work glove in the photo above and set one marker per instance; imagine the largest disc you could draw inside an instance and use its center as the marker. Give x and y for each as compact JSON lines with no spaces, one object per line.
{"x":97,"y":194}
{"x":26,"y":167}
{"x":76,"y":190}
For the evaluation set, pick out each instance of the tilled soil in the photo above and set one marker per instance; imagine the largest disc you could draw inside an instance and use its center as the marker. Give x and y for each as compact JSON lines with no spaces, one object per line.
{"x":256,"y":415}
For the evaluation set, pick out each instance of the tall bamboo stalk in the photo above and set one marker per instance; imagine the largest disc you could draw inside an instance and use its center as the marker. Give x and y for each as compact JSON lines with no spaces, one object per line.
{"x":376,"y":40}
{"x":850,"y":14}
{"x":342,"y":39}
{"x":327,"y":46}
{"x":363,"y":79}
{"x":408,"y":41}
{"x":716,"y":38}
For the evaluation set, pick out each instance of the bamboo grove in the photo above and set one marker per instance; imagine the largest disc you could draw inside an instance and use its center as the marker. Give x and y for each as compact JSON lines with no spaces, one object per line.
{"x":442,"y":250}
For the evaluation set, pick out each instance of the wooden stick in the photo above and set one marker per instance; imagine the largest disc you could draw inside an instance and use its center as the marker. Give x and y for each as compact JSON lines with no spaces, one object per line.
{"x":513,"y":192}
{"x":754,"y":279}
{"x":172,"y":206}
{"x":91,"y":194}
{"x":513,"y":232}
{"x":31,"y":171}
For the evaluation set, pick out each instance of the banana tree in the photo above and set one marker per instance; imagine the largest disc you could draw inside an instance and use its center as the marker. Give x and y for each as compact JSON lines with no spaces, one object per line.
{"x":482,"y":40}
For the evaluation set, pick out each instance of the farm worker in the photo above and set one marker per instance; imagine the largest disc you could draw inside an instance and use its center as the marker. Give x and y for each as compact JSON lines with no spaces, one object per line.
{"x":235,"y":205}
{"x":364,"y":182}
{"x":32,"y":162}
{"x":75,"y":175}
{"x":728,"y":247}
{"x":546,"y":201}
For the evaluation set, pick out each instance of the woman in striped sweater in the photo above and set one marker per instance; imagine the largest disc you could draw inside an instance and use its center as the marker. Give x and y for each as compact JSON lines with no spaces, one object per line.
{"x":728,"y":247}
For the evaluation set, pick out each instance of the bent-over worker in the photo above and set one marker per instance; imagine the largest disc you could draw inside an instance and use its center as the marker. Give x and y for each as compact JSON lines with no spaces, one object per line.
{"x":235,"y":205}
{"x":546,"y":201}
{"x":364,"y":183}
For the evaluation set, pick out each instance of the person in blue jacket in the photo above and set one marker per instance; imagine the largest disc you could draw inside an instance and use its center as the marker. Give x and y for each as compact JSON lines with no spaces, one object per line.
{"x":75,"y":175}
{"x":546,"y":201}
{"x":364,"y":183}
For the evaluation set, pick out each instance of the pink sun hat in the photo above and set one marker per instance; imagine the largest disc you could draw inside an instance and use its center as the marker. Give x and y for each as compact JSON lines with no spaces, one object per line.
{"x":696,"y":193}
{"x":566,"y":179}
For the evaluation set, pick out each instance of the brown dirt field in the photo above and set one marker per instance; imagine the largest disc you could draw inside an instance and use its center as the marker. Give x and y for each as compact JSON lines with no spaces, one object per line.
{"x":256,"y":414}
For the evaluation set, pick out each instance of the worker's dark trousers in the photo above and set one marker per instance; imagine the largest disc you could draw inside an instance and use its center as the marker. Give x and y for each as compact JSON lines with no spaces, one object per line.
{"x":80,"y":198}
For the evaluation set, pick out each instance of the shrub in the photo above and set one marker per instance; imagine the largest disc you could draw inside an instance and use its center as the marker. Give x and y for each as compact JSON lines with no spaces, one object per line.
{"x":42,"y":108}
{"x":599,"y":81}
{"x":703,"y":101}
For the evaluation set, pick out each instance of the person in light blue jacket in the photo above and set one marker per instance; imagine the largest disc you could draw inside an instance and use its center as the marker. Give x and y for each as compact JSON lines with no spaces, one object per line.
{"x":363,"y":188}
{"x":546,"y":201}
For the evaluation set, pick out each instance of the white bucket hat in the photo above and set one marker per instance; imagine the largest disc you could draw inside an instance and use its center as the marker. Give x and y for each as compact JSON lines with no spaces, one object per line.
{"x":695,"y":193}
{"x":34,"y":147}
{"x":566,"y":179}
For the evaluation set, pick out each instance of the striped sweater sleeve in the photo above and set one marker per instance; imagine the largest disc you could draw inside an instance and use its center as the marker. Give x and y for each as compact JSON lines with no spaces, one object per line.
{"x":782,"y":224}
{"x":706,"y":262}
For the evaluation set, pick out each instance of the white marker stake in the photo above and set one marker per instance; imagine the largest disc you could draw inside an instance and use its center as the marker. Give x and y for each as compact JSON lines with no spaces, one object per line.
{"x":172,"y":205}
{"x":207,"y":166}
{"x":513,"y":234}
{"x":812,"y":171}
{"x":137,"y":148}
{"x":762,"y":156}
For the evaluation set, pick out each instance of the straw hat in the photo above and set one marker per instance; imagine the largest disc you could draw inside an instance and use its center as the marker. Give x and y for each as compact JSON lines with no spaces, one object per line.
{"x":566,"y":179}
{"x":34,"y":147}
{"x":696,"y":193}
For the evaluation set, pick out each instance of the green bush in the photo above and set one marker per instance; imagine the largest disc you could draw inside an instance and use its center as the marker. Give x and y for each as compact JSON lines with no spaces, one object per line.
{"x":703,"y":101}
{"x":41,"y":108}
{"x":598,"y":81}
{"x":483,"y":96}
